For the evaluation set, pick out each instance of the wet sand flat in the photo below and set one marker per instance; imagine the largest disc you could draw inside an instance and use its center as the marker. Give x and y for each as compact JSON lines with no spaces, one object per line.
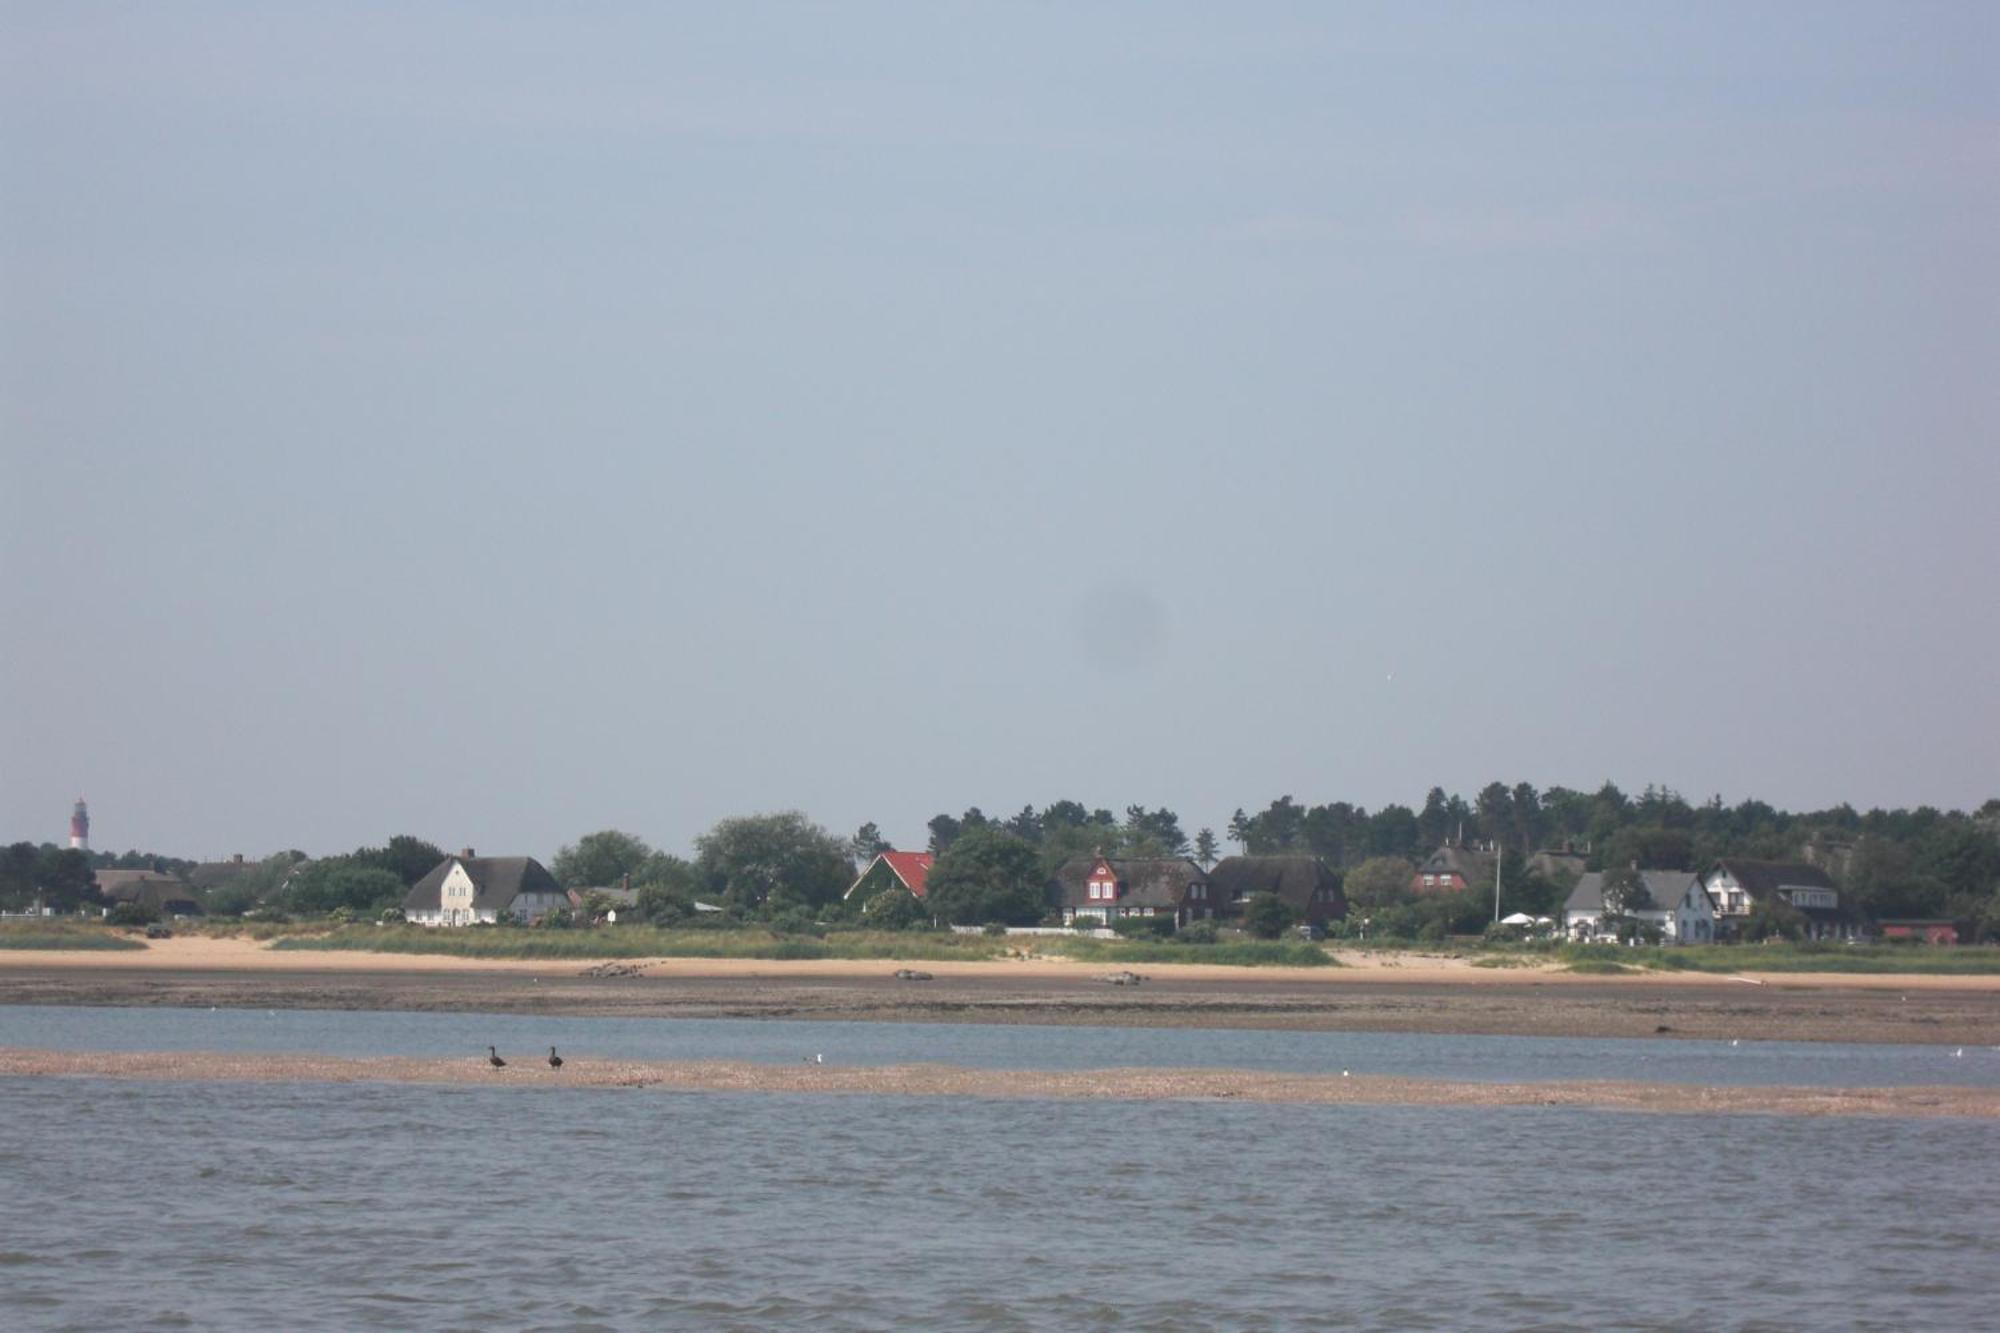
{"x":1374,"y":993}
{"x":949,"y":1081}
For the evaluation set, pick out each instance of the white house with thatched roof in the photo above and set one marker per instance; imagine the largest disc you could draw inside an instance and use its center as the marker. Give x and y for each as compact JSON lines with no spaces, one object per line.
{"x":468,"y":890}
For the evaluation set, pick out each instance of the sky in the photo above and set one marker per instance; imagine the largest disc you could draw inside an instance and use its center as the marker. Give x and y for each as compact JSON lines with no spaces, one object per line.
{"x":500,"y":422}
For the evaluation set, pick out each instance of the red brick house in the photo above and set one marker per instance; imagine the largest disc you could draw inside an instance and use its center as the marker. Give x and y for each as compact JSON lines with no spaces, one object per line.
{"x":1453,"y":868}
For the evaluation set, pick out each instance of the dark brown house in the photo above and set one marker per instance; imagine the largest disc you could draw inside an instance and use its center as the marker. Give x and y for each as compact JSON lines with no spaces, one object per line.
{"x":1096,"y":886}
{"x":1306,"y":884}
{"x":157,"y":891}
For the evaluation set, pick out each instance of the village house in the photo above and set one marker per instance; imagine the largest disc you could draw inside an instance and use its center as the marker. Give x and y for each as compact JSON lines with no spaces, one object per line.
{"x":154,"y":890}
{"x":1736,"y":885}
{"x":905,"y":871}
{"x":1560,"y":865}
{"x":468,"y":890}
{"x":1303,"y":883}
{"x":1680,"y":909}
{"x":1929,"y":930}
{"x":1453,"y":868}
{"x":1087,"y":887}
{"x":605,"y":904}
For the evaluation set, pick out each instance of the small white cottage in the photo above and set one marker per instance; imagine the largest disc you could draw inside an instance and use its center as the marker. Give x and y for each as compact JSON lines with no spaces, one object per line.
{"x":1679,"y":907}
{"x":466,"y":890}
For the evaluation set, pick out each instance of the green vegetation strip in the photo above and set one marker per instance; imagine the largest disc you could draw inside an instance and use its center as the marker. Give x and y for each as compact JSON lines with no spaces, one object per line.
{"x":915,"y":946}
{"x":1245,"y":953}
{"x":1876,"y":960}
{"x":64,"y":937}
{"x":647,"y":942}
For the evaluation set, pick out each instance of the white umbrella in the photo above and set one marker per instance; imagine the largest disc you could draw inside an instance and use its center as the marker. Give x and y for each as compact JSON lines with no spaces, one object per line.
{"x":1518,"y":919}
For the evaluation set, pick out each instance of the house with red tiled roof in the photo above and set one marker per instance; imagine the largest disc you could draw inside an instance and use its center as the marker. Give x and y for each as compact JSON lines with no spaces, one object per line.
{"x":889,"y":870}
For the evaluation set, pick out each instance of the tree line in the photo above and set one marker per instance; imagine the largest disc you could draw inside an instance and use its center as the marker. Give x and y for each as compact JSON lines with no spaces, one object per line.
{"x":1920,"y":862}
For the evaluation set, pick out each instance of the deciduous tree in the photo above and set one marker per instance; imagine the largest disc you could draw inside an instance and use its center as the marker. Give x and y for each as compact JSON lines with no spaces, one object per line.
{"x":988,"y":874}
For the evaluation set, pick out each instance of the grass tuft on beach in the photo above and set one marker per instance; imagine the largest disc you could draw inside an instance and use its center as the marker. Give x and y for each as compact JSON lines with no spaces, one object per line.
{"x":38,"y":935}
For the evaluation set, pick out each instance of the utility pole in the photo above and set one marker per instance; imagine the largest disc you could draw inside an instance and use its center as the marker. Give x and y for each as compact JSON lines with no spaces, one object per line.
{"x":1496,"y":883}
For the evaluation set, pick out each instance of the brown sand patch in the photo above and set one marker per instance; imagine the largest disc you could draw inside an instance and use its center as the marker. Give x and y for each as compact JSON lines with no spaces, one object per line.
{"x":948,"y":1081}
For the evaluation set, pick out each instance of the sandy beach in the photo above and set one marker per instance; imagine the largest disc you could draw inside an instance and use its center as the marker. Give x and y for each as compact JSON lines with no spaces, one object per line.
{"x":1385,"y":992}
{"x":947,"y":1081}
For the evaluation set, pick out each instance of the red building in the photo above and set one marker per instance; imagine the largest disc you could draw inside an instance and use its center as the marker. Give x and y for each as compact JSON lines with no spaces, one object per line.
{"x":1929,"y":930}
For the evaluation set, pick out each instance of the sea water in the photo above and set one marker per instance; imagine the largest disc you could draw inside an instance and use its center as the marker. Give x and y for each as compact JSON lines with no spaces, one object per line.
{"x":139,"y":1204}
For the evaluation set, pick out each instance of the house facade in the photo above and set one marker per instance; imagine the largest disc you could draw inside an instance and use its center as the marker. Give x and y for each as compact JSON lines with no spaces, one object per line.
{"x":1306,"y":884}
{"x":1096,"y":887}
{"x":155,"y":890}
{"x":1737,"y":885}
{"x":1453,"y":868}
{"x":1680,"y":909}
{"x":469,"y":890}
{"x":908,"y":871}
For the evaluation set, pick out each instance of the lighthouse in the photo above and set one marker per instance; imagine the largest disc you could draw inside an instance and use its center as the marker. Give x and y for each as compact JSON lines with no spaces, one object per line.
{"x":79,"y":826}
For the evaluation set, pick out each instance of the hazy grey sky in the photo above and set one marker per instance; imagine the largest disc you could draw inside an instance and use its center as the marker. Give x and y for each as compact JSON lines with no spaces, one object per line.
{"x":499,"y":422}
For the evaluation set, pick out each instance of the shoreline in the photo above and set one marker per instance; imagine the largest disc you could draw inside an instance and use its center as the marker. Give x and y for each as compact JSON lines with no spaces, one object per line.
{"x":1378,"y":993}
{"x":712,"y":1076}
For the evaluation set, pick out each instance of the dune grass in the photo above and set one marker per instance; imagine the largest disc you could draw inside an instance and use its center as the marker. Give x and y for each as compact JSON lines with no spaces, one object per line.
{"x":1236,"y":953}
{"x":1863,"y":959}
{"x":613,"y":942}
{"x":647,"y":942}
{"x":51,"y":935}
{"x":1725,"y":959}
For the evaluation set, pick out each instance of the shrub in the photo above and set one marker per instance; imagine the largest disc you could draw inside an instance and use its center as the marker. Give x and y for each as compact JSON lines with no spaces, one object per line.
{"x":795,"y":921}
{"x":1267,"y":915}
{"x":994,"y":928}
{"x":132,"y":914}
{"x":1144,"y":927}
{"x":1197,"y":932}
{"x":894,"y":909}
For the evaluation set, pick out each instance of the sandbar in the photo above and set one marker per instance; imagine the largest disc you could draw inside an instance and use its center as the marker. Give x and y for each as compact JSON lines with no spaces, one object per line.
{"x":709,"y":1076}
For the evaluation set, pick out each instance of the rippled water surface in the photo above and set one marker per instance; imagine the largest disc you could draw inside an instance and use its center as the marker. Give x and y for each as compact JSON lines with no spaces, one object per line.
{"x":335,"y":1032}
{"x":148,"y":1205}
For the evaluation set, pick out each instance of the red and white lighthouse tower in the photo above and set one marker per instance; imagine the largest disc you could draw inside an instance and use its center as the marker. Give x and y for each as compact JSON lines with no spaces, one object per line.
{"x":79,"y":826}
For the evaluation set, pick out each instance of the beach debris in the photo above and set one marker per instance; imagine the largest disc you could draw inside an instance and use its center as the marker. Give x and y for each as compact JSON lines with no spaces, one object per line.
{"x":614,"y":970}
{"x":1121,"y":978}
{"x":1662,"y":1028}
{"x":911,"y":974}
{"x":1748,"y":981}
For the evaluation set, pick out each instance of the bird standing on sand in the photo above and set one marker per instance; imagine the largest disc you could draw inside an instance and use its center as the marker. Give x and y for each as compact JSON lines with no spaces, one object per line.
{"x":555,"y":1061}
{"x":493,"y":1058}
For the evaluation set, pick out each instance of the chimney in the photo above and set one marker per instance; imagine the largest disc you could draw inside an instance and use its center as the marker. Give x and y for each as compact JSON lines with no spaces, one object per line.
{"x":237,"y":859}
{"x":465,"y":853}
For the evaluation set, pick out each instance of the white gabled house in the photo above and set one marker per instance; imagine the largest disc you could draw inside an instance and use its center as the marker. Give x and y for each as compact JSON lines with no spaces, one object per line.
{"x":1737,"y":884}
{"x":468,"y":890}
{"x":1681,"y":910}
